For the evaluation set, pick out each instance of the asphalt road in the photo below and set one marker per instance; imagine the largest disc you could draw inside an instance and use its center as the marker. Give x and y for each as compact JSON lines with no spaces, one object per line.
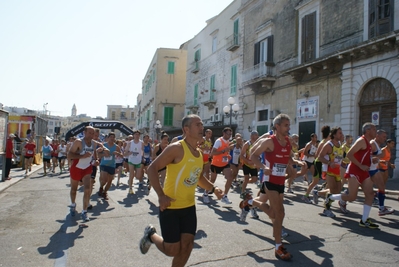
{"x":37,"y":230}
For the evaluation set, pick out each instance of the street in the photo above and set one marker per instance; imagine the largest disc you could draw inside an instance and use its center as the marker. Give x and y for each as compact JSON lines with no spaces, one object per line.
{"x":37,"y":230}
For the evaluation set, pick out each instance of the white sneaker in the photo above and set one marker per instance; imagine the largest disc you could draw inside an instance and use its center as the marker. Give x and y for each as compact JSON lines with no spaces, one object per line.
{"x":315,"y":196}
{"x":226,"y":200}
{"x":385,"y":211}
{"x":205,"y":199}
{"x":243,"y":215}
{"x":328,"y":213}
{"x":254,"y":214}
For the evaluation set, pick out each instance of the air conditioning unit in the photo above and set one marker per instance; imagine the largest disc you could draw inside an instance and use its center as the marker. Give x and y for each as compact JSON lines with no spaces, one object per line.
{"x":274,"y":113}
{"x":218,"y":117}
{"x":212,"y":118}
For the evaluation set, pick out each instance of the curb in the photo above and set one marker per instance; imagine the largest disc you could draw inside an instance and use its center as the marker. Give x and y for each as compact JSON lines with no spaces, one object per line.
{"x":8,"y":183}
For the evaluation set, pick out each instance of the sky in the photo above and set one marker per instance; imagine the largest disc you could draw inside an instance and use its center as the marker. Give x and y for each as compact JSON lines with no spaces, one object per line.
{"x":56,"y":53}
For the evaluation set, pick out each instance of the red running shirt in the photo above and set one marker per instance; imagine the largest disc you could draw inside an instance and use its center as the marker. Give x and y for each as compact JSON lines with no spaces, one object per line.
{"x":277,"y":161}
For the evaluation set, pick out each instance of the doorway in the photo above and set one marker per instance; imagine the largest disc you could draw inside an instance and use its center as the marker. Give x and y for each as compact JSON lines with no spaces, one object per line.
{"x":305,"y":130}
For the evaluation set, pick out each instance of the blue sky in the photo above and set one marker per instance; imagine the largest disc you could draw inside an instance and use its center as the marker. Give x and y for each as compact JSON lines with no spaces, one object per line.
{"x":91,"y":53}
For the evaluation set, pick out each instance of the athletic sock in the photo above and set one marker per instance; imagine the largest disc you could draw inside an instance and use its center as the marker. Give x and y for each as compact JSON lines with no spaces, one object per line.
{"x":277,"y":246}
{"x":381,"y":198}
{"x":366,"y":212}
{"x":250,"y":202}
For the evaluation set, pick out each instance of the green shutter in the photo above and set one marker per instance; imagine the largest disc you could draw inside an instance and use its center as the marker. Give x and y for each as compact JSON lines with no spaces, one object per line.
{"x":171,"y":67}
{"x":233,"y":83}
{"x":236,"y":32}
{"x":168,"y":116}
{"x":212,"y":88}
{"x":262,"y":129}
{"x":196,"y":94}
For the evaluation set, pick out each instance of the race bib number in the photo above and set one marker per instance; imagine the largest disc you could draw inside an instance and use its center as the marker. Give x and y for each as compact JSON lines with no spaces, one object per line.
{"x":30,"y":152}
{"x":107,"y":158}
{"x":279,"y":169}
{"x":46,"y":154}
{"x":147,"y":155}
{"x":207,"y":151}
{"x":225,"y":159}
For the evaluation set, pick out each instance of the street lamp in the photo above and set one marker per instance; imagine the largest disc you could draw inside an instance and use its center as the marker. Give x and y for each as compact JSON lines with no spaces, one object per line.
{"x":158,"y":127}
{"x":228,"y":110}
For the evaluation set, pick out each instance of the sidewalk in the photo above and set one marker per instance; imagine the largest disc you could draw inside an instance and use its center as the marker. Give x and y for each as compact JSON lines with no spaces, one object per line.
{"x":17,"y":174}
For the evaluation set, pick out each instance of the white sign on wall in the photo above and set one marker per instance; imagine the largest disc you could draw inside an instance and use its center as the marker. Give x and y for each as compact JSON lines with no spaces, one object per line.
{"x":307,"y":109}
{"x":375,"y":117}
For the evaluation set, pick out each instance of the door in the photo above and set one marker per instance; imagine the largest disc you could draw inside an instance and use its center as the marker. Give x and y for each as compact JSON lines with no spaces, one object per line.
{"x":305,"y":130}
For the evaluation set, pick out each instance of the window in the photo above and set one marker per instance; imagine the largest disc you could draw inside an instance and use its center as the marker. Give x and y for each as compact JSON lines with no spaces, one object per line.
{"x":168,"y":116}
{"x":171,"y":67}
{"x":233,"y":81}
{"x":123,"y":115}
{"x":196,"y":94}
{"x":263,"y":51}
{"x":263,"y":115}
{"x":214,"y":44}
{"x":50,"y":123}
{"x":212,"y":88}
{"x":197,"y":55}
{"x":235,"y":38}
{"x":131,"y":115}
{"x":148,"y":115}
{"x":380,"y":17}
{"x":113,"y":115}
{"x":308,"y":52}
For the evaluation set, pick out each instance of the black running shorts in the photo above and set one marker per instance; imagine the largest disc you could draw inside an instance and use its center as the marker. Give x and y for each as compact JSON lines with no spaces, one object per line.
{"x":175,"y":222}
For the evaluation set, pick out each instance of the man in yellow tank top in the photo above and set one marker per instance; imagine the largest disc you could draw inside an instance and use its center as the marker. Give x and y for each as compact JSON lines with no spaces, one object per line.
{"x":177,"y":214}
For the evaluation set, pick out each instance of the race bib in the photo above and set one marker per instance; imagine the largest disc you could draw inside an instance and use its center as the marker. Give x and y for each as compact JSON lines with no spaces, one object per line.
{"x":46,"y":154}
{"x":207,"y":151}
{"x":225,"y":159}
{"x":279,"y":169}
{"x":30,"y":152}
{"x":107,"y":158}
{"x":146,"y":155}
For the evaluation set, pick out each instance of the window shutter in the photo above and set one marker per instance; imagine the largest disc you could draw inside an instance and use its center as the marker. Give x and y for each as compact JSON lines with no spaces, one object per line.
{"x":309,"y":37}
{"x":257,"y":53}
{"x":303,"y":40}
{"x":236,"y":31}
{"x":372,"y":18}
{"x":270,"y":41}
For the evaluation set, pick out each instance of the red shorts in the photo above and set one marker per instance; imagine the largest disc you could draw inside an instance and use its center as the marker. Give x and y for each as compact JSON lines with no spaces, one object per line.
{"x":361,"y":176}
{"x":78,"y":174}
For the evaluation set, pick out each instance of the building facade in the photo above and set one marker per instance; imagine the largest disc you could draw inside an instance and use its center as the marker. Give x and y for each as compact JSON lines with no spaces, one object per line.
{"x":214,"y":67}
{"x":324,"y":63}
{"x":161,"y":104}
{"x":124,"y":114}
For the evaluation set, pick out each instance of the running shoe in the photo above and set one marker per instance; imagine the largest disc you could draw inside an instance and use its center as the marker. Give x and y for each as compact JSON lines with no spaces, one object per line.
{"x":282,"y":254}
{"x":145,"y":241}
{"x":72,"y":210}
{"x":368,"y":224}
{"x":284,"y":234}
{"x":376,"y":201}
{"x":141,"y":186}
{"x":226,"y":200}
{"x":90,"y":207}
{"x":84,"y":216}
{"x":307,"y":200}
{"x":254,"y":214}
{"x":342,"y":206}
{"x":243,"y":215}
{"x":289,"y":190}
{"x":205,"y":199}
{"x":328,"y":213}
{"x":131,"y":192}
{"x":315,"y":196}
{"x":385,"y":211}
{"x":327,"y":202}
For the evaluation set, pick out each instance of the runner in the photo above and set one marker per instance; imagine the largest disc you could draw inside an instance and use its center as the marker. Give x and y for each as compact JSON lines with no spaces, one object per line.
{"x":119,"y":161}
{"x":249,"y":169}
{"x":46,"y":152}
{"x":83,"y":155}
{"x":157,"y":151}
{"x":385,"y":161}
{"x":277,"y":149}
{"x":147,"y":154}
{"x":309,"y":151}
{"x":220,"y":161}
{"x":134,"y":149}
{"x":54,"y":154}
{"x":177,"y":214}
{"x":332,"y":154}
{"x":206,"y":147}
{"x":62,"y":152}
{"x":357,"y":174}
{"x":235,"y":160}
{"x":29,"y":154}
{"x":108,"y":164}
{"x":344,"y":164}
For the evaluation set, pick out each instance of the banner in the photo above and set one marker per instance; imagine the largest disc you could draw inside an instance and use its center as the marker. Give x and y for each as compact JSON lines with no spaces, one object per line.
{"x":116,"y":125}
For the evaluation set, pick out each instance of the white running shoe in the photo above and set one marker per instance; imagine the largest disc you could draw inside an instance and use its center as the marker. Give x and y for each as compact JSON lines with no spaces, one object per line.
{"x":328,"y":213}
{"x":385,"y":211}
{"x":226,"y":200}
{"x":315,"y":196}
{"x":243,"y":215}
{"x":342,"y":206}
{"x":205,"y":199}
{"x":145,"y":241}
{"x":254,"y":214}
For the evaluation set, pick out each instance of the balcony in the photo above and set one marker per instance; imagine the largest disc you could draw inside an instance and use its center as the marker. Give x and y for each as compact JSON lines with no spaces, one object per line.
{"x":260,"y":78}
{"x":195,"y":66}
{"x":193,"y":108}
{"x":233,"y":42}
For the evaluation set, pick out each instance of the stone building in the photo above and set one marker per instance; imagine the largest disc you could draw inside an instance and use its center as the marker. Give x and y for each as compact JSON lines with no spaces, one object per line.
{"x":322,"y":63}
{"x":214,"y":67}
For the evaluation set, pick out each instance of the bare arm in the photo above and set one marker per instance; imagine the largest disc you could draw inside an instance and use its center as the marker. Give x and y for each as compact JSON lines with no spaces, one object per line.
{"x":359,"y":144}
{"x":74,"y":152}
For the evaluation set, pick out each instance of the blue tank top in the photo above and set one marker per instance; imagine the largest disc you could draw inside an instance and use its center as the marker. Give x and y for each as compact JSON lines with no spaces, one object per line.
{"x":46,"y":152}
{"x":147,"y":151}
{"x":109,"y":161}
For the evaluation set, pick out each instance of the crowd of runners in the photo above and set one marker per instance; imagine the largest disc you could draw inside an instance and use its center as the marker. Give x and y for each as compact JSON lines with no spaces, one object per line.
{"x":333,"y":167}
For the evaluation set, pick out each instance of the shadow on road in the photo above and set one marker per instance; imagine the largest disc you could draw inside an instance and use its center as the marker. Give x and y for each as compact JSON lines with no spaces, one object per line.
{"x":61,"y":241}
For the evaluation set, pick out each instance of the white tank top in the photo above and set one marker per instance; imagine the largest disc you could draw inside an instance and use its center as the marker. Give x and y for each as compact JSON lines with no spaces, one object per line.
{"x":137,"y":152}
{"x":86,"y":162}
{"x":374,"y":166}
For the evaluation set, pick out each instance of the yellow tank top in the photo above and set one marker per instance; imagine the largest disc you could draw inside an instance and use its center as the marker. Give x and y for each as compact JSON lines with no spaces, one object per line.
{"x":345,"y":148}
{"x":247,"y":154}
{"x":182,"y":178}
{"x":336,"y":156}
